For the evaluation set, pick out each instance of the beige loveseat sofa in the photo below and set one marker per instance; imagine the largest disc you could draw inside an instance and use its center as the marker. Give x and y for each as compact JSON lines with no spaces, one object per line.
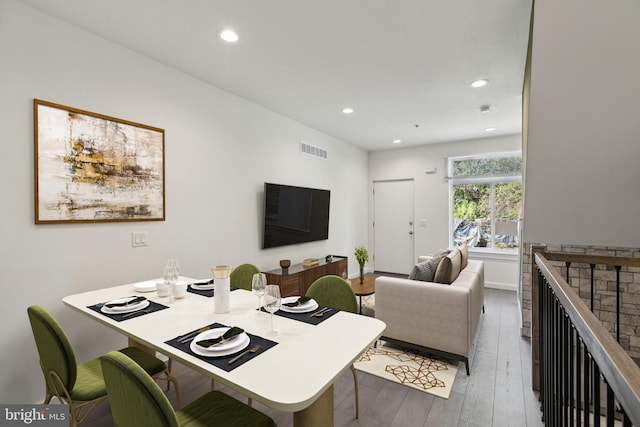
{"x":441,"y":319}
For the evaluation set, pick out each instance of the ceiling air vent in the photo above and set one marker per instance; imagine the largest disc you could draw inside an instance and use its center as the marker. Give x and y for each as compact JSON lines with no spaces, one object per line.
{"x":312,"y":151}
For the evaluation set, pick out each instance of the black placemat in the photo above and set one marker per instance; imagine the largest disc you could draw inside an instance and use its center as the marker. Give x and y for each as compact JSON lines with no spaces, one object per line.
{"x":204,"y":292}
{"x":306,"y":317}
{"x":222,"y":362}
{"x":151,"y":308}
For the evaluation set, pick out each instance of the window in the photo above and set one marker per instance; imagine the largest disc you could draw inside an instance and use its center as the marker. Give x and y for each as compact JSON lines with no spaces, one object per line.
{"x":486,"y":201}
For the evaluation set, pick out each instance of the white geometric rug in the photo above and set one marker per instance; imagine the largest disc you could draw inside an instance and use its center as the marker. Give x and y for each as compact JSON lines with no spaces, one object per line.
{"x":407,"y":367}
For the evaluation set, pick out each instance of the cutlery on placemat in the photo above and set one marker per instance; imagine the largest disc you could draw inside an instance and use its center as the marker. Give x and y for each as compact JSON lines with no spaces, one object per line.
{"x":251,"y":350}
{"x":191,"y":335}
{"x":146,"y":310}
{"x":314,"y":314}
{"x":321,"y":312}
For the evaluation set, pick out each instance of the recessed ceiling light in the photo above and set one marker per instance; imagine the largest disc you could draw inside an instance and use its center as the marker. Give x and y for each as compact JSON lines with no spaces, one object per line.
{"x":479,"y":83}
{"x":229,"y":36}
{"x":490,"y":129}
{"x":397,"y":141}
{"x":347,"y":110}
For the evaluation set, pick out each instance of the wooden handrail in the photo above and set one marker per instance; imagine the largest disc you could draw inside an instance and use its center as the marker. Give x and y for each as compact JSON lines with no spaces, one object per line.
{"x":616,"y":366}
{"x":593,"y":259}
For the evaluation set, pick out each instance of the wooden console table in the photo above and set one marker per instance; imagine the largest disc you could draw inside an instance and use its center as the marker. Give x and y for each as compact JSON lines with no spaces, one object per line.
{"x":297,"y":278}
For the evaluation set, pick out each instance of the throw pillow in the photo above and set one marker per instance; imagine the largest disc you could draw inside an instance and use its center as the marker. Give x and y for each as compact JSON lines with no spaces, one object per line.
{"x":414,"y":272}
{"x":449,"y":268}
{"x":425,"y":271}
{"x":464,"y":252}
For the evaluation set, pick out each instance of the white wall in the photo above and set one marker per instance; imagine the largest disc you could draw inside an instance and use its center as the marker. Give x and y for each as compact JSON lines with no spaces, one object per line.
{"x":220,"y":150}
{"x":431,"y":200}
{"x":583,"y":156}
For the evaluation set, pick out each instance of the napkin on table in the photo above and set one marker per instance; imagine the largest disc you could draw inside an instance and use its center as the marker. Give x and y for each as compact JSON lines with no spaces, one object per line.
{"x":135,"y":300}
{"x":300,"y":301}
{"x":232,"y":332}
{"x":203,"y":282}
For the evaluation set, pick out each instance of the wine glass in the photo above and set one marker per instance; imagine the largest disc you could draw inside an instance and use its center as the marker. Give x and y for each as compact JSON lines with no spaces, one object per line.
{"x":258,"y":283}
{"x":170,"y":278}
{"x":173,"y":262}
{"x":272,"y":302}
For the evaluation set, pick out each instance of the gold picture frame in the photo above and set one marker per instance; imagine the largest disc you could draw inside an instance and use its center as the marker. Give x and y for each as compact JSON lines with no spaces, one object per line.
{"x":94,"y":168}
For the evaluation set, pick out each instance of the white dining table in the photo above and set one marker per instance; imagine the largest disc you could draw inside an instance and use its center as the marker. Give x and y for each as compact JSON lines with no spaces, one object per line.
{"x":296,"y":375}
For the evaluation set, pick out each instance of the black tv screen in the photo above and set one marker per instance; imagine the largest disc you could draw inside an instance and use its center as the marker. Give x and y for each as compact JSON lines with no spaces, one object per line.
{"x":294,"y":215}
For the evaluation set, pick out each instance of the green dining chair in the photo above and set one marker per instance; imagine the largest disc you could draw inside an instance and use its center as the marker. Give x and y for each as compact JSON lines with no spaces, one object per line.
{"x":136,"y":400}
{"x":335,"y":292}
{"x":242,"y":275}
{"x":82,"y":385}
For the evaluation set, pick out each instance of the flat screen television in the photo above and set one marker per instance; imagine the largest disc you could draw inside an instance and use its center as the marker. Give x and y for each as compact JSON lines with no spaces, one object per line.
{"x":294,"y":215}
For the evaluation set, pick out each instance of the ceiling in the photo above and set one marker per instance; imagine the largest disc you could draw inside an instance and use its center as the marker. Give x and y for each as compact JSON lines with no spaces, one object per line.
{"x":404,"y":66}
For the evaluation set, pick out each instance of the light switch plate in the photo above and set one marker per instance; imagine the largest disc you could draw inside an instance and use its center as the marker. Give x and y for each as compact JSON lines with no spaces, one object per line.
{"x":139,"y":239}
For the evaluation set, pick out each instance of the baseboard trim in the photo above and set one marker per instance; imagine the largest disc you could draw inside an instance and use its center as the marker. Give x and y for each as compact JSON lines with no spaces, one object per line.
{"x":502,"y":286}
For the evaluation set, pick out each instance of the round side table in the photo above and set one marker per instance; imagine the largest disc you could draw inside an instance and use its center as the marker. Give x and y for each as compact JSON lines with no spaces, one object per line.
{"x":364,"y":289}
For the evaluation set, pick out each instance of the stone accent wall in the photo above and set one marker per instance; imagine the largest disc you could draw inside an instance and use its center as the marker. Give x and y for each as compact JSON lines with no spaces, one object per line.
{"x":604,"y":299}
{"x":525,"y":290}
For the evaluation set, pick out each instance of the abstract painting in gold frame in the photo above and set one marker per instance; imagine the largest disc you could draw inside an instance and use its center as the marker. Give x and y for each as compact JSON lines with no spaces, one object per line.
{"x":95,"y":168}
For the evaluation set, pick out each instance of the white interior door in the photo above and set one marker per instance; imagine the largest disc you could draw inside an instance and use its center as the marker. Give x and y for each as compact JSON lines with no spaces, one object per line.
{"x":393,"y":226}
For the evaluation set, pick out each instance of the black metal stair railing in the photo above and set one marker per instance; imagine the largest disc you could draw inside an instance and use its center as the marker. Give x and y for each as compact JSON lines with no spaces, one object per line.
{"x":585,"y":377}
{"x":592,"y":266}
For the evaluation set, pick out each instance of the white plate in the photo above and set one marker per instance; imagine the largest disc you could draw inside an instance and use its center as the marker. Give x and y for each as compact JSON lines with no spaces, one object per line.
{"x":215,"y":333}
{"x":124,"y":308}
{"x":302,"y":308}
{"x":240,"y":342}
{"x":127,"y":309}
{"x":148,"y":286}
{"x":202,"y":287}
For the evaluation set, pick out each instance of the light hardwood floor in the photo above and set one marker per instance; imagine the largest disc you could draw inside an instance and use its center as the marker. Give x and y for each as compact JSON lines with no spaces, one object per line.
{"x":497,"y":393}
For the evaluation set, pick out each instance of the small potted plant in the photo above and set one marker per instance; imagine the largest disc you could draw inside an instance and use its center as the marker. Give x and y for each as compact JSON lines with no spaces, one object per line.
{"x":362,"y":256}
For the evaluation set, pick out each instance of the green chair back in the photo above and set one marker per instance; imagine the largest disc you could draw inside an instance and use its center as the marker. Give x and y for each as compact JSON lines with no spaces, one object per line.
{"x":135,"y":398}
{"x":54,"y":348}
{"x":242,"y":275}
{"x":334,"y":291}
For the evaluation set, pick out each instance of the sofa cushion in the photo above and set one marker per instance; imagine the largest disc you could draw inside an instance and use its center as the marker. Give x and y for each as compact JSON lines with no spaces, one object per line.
{"x":425,"y":271}
{"x":448,"y":268}
{"x":464,"y":253}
